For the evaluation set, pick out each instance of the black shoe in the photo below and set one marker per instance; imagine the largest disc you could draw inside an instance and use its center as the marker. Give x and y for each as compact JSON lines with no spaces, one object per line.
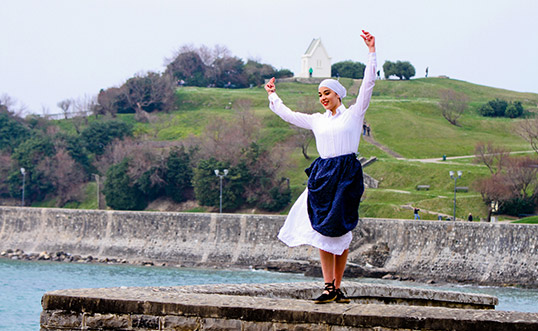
{"x":328,"y":295}
{"x":341,"y":297}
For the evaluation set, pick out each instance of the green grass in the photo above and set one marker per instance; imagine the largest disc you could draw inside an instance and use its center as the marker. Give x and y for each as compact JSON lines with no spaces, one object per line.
{"x":404,"y":115}
{"x":528,"y":220}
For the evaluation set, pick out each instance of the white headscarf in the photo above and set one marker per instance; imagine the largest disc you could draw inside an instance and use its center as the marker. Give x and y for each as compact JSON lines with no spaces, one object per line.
{"x":335,"y":86}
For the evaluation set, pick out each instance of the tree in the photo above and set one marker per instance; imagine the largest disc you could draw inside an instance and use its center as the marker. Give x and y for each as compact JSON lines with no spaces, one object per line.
{"x":5,"y":169}
{"x":100,"y":133}
{"x":493,"y":108}
{"x":150,"y":92}
{"x":112,"y":101}
{"x":207,"y":189}
{"x":256,"y":72}
{"x":304,"y":137}
{"x":188,"y":66}
{"x":229,"y":72}
{"x":452,"y":104}
{"x":514,"y":109}
{"x":493,"y":157}
{"x":12,"y":131}
{"x":513,"y":185}
{"x":494,"y":192}
{"x":402,"y":70}
{"x":178,"y":175}
{"x":527,"y":129}
{"x":283,"y":73}
{"x":65,"y":105}
{"x":348,"y":69}
{"x":65,"y":175}
{"x":120,"y":192}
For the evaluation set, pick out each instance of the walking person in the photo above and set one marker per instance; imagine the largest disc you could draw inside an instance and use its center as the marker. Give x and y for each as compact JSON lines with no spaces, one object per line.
{"x":415,"y":213}
{"x":326,"y":212}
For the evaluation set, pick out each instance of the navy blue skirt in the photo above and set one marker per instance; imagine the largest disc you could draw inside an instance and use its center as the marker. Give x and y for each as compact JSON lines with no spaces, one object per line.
{"x":335,"y":188}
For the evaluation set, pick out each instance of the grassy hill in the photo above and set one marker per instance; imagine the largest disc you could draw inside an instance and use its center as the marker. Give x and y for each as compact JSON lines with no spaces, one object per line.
{"x":404,"y":116}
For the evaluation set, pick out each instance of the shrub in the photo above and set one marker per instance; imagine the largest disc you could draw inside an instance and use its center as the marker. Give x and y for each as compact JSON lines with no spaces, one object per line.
{"x":119,"y":192}
{"x":348,"y":69}
{"x":501,"y":108}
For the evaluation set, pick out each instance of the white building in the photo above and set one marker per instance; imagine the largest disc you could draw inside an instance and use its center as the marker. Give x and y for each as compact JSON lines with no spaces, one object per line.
{"x":317,"y":59}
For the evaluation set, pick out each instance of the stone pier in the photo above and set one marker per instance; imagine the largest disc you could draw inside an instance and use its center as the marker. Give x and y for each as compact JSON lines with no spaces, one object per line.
{"x":285,"y":306}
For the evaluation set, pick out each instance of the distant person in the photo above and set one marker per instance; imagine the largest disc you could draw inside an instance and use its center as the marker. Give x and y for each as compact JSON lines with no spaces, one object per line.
{"x":364,"y":129}
{"x":368,"y":129}
{"x":426,"y":72}
{"x":415,"y":213}
{"x":470,"y":217}
{"x":310,"y":72}
{"x":378,"y":74}
{"x":327,"y":210}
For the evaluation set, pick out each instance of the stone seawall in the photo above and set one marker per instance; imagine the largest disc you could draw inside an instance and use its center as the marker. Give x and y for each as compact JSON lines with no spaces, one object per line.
{"x":479,"y":253}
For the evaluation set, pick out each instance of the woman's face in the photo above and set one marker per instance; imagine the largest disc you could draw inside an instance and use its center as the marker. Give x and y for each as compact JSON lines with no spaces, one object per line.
{"x":328,"y":98}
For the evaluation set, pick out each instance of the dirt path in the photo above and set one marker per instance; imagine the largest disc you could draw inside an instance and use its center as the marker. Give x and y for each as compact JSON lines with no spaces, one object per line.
{"x":387,"y":150}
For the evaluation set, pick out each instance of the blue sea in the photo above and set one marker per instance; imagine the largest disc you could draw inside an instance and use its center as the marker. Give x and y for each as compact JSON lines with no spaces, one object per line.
{"x":22,"y":284}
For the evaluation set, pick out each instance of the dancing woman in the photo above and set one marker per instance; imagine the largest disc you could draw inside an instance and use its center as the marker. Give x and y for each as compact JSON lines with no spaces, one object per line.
{"x":326,"y":212}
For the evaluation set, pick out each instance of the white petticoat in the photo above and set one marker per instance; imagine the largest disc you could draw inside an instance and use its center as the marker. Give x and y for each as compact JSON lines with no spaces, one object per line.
{"x":297,"y":230}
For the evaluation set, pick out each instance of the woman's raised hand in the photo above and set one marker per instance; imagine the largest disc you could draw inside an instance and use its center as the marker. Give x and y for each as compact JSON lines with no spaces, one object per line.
{"x":369,"y":40}
{"x":270,"y":87}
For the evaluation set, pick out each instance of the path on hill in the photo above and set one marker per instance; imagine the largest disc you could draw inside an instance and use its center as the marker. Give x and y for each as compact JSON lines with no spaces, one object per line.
{"x":372,"y":141}
{"x":389,"y":151}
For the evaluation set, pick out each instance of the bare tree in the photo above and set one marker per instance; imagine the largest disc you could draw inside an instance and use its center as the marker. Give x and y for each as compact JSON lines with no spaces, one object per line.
{"x":66,"y":175}
{"x":82,"y":107}
{"x":65,"y":105}
{"x":494,"y":191}
{"x":493,"y":157}
{"x":452,"y":104}
{"x":9,"y":105}
{"x":528,"y":129}
{"x":522,"y":176}
{"x":304,"y":137}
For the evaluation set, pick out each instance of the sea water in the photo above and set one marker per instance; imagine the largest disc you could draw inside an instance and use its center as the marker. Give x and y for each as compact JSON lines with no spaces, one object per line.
{"x":22,"y":284}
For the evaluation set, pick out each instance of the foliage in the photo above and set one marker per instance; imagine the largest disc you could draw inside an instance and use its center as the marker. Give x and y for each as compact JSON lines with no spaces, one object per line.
{"x":283,"y":73}
{"x":514,"y":109}
{"x":207,"y":185}
{"x":256,"y":72}
{"x":101,"y":133}
{"x":12,"y":131}
{"x":513,"y":185}
{"x":218,"y":68}
{"x":501,"y":108}
{"x":150,"y":92}
{"x":402,"y":70}
{"x":348,"y":69}
{"x":178,"y":175}
{"x":518,"y":206}
{"x":65,"y":175}
{"x":119,"y":191}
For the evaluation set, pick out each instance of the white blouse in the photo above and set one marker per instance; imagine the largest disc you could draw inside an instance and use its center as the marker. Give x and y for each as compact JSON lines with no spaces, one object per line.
{"x":339,"y":134}
{"x":335,"y":135}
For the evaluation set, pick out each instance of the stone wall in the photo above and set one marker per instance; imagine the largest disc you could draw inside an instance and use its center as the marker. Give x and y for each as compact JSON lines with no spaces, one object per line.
{"x":479,"y":253}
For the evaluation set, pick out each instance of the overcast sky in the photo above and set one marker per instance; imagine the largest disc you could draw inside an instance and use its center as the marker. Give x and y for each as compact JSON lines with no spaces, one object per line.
{"x":51,"y":50}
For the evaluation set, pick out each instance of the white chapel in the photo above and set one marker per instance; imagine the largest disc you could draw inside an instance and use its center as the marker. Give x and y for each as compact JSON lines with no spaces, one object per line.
{"x":315,"y":60}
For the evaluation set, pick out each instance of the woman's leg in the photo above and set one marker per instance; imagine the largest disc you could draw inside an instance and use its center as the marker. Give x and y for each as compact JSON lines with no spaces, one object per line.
{"x":339,"y":267}
{"x":327,"y":265}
